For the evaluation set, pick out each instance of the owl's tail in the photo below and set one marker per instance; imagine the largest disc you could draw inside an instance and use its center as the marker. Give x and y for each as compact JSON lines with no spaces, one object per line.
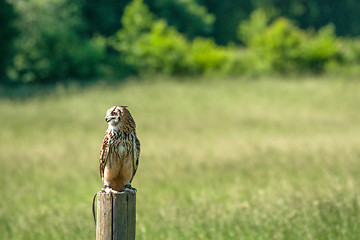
{"x":93,"y":208}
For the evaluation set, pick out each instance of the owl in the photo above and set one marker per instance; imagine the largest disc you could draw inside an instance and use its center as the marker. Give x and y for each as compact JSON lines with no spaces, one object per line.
{"x":120,"y":150}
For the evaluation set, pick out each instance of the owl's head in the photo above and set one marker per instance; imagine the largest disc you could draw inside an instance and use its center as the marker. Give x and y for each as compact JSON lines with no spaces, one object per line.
{"x":118,"y":117}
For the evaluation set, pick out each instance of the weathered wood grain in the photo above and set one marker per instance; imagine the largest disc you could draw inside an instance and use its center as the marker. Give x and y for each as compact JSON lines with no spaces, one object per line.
{"x":116,"y":216}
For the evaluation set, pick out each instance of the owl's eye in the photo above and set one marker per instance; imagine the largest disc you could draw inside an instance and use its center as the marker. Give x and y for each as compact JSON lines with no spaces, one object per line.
{"x":113,"y":113}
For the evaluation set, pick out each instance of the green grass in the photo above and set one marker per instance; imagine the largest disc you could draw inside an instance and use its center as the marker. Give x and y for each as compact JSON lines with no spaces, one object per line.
{"x":234,"y":159}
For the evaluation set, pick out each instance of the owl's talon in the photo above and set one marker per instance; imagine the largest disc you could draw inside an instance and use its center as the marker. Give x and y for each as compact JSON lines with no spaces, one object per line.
{"x":132,"y":190}
{"x":110,"y":190}
{"x":106,"y":189}
{"x":129,"y":188}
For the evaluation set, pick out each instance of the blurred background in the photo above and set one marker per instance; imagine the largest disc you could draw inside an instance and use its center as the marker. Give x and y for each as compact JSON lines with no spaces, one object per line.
{"x":49,"y":41}
{"x":247,"y":112}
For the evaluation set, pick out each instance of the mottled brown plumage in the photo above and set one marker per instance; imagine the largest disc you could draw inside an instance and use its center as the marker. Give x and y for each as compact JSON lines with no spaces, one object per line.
{"x":120,"y":150}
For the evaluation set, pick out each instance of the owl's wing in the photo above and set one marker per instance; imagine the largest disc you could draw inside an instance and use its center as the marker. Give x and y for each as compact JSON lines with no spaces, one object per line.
{"x":136,"y":146}
{"x":104,"y":153}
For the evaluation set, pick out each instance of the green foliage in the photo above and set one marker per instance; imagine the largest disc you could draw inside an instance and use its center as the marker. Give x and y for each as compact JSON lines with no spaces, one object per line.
{"x":7,"y":35}
{"x":257,"y":23}
{"x":351,"y":49}
{"x":219,"y":19}
{"x":241,"y":61}
{"x":162,"y":50}
{"x":344,"y":15}
{"x":279,"y":44}
{"x":150,"y":45}
{"x":206,"y":57}
{"x":349,"y":60}
{"x":284,"y":47}
{"x":187,"y":16}
{"x":320,"y":48}
{"x":82,"y":39}
{"x":228,"y":14}
{"x":137,"y":20}
{"x":101,"y":17}
{"x":49,"y":47}
{"x":86,"y":58}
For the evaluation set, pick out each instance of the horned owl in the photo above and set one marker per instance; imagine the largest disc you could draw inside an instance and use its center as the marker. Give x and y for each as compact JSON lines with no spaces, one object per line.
{"x":119,"y":155}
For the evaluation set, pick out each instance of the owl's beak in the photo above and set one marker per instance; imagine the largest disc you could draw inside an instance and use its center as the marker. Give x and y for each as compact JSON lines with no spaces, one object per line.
{"x":108,"y":118}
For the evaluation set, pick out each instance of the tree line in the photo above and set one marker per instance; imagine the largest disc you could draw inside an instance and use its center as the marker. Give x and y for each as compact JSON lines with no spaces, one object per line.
{"x":51,"y":40}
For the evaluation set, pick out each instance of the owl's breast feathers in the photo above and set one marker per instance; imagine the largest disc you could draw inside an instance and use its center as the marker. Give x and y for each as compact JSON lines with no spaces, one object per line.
{"x":122,"y":150}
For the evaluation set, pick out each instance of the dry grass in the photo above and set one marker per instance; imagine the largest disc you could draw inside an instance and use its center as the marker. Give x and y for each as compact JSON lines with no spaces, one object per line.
{"x":236,"y":159}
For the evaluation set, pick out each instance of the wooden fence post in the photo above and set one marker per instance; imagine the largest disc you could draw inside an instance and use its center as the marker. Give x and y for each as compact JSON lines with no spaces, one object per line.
{"x":116,"y":216}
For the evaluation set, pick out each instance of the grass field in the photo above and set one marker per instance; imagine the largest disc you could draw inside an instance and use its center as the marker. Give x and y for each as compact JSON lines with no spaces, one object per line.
{"x":234,"y":159}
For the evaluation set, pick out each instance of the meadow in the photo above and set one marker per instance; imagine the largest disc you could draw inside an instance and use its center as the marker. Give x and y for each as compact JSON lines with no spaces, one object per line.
{"x":268,"y":158}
